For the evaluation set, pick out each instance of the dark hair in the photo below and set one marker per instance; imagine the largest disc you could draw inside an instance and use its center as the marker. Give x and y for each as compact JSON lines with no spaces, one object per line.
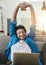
{"x":20,"y":27}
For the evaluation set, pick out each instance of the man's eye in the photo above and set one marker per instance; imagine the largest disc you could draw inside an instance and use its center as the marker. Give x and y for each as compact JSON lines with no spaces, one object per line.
{"x":19,"y":33}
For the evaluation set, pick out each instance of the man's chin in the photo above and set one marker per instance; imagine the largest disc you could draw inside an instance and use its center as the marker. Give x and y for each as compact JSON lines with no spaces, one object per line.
{"x":21,"y":38}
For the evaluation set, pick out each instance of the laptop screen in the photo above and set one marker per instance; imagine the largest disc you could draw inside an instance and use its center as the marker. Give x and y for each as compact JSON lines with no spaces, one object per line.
{"x":25,"y":58}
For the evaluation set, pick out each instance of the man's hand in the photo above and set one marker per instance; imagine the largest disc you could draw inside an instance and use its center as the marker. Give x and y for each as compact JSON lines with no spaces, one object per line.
{"x":24,"y":5}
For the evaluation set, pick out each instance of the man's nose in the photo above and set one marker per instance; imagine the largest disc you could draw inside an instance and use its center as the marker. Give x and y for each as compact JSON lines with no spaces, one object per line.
{"x":21,"y":33}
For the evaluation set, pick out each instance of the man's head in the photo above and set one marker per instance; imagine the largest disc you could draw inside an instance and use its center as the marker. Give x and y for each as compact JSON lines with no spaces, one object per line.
{"x":21,"y":32}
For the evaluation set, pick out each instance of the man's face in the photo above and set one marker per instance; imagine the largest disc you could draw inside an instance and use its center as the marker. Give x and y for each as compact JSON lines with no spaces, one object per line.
{"x":21,"y":34}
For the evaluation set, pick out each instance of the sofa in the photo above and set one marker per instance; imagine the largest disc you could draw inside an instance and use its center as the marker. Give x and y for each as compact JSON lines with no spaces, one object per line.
{"x":4,"y":42}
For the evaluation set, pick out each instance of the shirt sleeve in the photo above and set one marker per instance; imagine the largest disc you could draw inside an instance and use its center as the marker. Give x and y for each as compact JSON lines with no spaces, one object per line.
{"x":12,"y":28}
{"x":32,"y":32}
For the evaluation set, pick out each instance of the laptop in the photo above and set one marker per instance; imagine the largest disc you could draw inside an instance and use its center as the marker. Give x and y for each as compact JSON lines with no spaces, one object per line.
{"x":25,"y":58}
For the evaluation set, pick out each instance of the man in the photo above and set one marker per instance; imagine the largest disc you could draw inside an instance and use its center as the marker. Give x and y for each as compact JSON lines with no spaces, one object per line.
{"x":18,"y":35}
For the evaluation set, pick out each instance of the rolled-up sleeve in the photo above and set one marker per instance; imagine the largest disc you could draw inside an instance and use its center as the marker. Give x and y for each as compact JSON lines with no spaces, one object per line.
{"x":32,"y":32}
{"x":12,"y":28}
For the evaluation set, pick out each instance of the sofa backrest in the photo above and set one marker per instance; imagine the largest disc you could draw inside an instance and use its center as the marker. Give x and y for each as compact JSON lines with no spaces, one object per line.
{"x":3,"y":43}
{"x":5,"y":39}
{"x":40,"y":45}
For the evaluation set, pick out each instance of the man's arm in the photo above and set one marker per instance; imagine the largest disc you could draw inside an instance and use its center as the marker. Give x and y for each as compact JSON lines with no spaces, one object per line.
{"x":32,"y":27}
{"x":32,"y":15}
{"x":13,"y":22}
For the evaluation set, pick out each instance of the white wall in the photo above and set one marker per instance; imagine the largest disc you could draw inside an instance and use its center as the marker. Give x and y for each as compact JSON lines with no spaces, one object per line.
{"x":10,"y":5}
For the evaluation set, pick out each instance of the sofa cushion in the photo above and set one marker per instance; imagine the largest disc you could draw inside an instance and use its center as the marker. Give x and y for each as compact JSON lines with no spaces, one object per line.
{"x":3,"y":43}
{"x":3,"y":59}
{"x":39,"y":45}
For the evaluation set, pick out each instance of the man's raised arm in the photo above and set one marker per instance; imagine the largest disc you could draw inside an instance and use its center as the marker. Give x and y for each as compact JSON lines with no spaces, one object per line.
{"x":13,"y":20}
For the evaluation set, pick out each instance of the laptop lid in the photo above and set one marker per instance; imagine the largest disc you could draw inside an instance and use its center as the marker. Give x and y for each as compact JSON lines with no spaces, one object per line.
{"x":25,"y":58}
